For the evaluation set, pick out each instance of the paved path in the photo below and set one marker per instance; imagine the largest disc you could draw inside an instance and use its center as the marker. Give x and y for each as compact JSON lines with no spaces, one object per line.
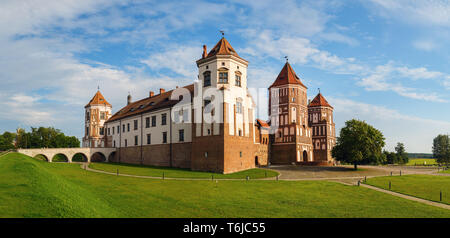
{"x":436,"y":204}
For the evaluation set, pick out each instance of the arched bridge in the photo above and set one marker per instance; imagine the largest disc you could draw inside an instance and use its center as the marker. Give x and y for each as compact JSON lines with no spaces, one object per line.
{"x":72,"y":154}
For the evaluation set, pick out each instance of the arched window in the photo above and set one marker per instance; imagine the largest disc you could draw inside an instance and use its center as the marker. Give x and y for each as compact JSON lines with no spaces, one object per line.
{"x":206,"y":79}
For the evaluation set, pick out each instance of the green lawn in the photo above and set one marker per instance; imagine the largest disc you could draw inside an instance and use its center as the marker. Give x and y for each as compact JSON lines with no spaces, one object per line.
{"x":423,"y":186}
{"x":421,"y":162}
{"x":34,"y":188}
{"x":179,"y":173}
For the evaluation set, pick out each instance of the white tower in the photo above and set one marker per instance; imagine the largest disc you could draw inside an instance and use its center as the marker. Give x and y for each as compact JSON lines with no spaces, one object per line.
{"x":97,"y":111}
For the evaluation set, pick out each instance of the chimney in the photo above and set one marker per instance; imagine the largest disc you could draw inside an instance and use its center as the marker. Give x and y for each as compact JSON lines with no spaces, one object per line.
{"x":161,"y":91}
{"x":128,"y":99}
{"x":204,"y":52}
{"x":309,"y":101}
{"x":151,"y":94}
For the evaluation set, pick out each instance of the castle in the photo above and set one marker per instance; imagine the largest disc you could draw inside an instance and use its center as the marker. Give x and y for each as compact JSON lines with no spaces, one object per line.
{"x":210,"y":125}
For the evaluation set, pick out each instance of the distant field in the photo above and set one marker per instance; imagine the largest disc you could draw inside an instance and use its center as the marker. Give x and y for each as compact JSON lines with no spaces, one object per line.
{"x":421,"y":161}
{"x":153,"y":171}
{"x":423,"y":186}
{"x":34,"y":188}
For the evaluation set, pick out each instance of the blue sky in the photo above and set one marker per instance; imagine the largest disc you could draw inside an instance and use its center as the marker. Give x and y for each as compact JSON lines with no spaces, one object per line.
{"x":385,"y":62}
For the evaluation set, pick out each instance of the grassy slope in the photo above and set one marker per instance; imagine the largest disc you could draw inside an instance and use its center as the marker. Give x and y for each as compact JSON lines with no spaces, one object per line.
{"x":423,"y":186}
{"x":32,"y":188}
{"x":420,"y":161}
{"x":178,"y":173}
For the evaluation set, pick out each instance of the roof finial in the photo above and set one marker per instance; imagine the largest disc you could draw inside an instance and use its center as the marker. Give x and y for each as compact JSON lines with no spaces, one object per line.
{"x":318,"y":89}
{"x":287,"y":59}
{"x":98,"y":87}
{"x":223,"y":33}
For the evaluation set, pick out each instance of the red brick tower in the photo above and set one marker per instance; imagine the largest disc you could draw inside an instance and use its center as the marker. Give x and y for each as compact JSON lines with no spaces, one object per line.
{"x":323,"y":128}
{"x":288,"y":114}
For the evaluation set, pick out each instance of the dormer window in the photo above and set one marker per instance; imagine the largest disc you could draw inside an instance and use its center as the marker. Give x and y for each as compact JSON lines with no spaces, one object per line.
{"x":206,"y":79}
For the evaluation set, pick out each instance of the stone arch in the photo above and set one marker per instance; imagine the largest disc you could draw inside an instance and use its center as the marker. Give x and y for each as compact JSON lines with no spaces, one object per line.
{"x":41,"y":157}
{"x":111,"y":156}
{"x":98,"y":157}
{"x":60,"y":157}
{"x":80,"y":157}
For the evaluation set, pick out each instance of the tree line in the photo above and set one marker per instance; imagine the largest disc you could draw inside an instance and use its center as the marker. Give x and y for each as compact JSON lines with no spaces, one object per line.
{"x":42,"y":137}
{"x":360,"y":143}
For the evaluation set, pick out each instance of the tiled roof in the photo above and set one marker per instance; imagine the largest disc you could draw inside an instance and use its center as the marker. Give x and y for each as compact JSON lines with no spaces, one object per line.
{"x":222,"y":47}
{"x":262,"y":123}
{"x":148,"y":104}
{"x":319,"y":101}
{"x":98,"y":99}
{"x":287,"y":76}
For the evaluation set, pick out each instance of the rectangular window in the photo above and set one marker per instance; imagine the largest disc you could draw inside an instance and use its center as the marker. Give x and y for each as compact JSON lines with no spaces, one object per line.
{"x":149,"y":139}
{"x":239,"y":107}
{"x":164,"y":134}
{"x":164,"y":119}
{"x":238,"y":80}
{"x":102,"y":131}
{"x":223,"y":77}
{"x":113,"y":130}
{"x":135,"y":124}
{"x":206,"y":79}
{"x":118,"y":130}
{"x":153,"y":121}
{"x":114,"y":143}
{"x":147,"y":122}
{"x":181,"y":135}
{"x":109,"y":131}
{"x":126,"y":143}
{"x":135,"y":140}
{"x":102,"y":115}
{"x":128,"y":126}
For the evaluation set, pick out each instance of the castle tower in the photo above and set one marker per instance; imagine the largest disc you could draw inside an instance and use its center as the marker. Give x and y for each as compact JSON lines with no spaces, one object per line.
{"x":225,"y":143}
{"x":97,"y":111}
{"x":288,"y":114}
{"x":323,"y":128}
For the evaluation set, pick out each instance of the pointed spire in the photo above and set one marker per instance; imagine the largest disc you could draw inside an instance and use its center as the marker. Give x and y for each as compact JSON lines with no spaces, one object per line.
{"x":222,"y":47}
{"x":319,"y":101}
{"x":98,"y":99}
{"x":287,"y":75}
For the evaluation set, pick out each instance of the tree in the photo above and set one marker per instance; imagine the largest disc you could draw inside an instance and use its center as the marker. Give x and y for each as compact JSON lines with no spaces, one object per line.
{"x":358,"y":143}
{"x":441,"y":149}
{"x":402,"y":157}
{"x":7,"y":141}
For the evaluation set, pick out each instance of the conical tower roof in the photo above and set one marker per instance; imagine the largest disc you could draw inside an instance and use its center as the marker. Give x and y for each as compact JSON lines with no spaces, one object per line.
{"x":222,"y":47}
{"x":287,"y":76}
{"x":98,"y":99}
{"x":319,"y":101}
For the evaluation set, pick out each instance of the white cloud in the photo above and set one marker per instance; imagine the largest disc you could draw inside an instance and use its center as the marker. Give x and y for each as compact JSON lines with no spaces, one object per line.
{"x":425,"y":45}
{"x":425,"y":12}
{"x":380,"y":80}
{"x":178,"y":58}
{"x":417,"y":133}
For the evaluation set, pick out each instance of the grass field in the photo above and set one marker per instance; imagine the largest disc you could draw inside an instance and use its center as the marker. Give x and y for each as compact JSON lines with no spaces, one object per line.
{"x":179,"y":173}
{"x":423,"y":186}
{"x":34,"y":188}
{"x":421,"y":162}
